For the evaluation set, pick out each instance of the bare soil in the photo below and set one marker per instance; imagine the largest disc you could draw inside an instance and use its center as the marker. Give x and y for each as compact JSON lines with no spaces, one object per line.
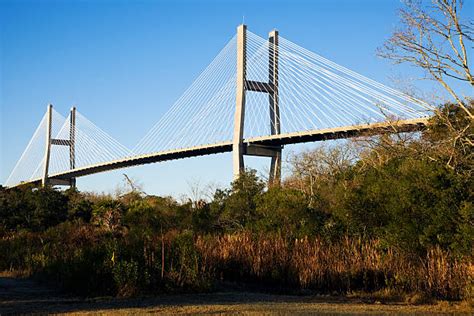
{"x":24,"y":296}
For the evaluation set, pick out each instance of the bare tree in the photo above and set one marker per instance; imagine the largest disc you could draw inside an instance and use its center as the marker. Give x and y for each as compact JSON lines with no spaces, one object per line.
{"x":434,"y":37}
{"x":129,"y":185}
{"x":199,"y":194}
{"x":312,"y":167}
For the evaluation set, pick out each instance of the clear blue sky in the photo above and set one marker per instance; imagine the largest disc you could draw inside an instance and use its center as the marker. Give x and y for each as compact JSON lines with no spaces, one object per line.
{"x":124,"y":63}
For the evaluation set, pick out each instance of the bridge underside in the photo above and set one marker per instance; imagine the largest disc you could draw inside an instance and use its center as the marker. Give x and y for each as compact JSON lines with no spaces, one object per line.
{"x":262,"y":142}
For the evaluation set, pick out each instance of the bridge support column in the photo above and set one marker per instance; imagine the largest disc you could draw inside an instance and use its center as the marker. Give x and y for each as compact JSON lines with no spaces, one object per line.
{"x":275,"y":166}
{"x":238,"y":148}
{"x":61,"y":142}
{"x":47,"y":152}
{"x":72,"y":142}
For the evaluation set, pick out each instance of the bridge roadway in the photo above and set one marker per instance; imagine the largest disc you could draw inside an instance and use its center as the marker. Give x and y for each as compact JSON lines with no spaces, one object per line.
{"x":273,"y":140}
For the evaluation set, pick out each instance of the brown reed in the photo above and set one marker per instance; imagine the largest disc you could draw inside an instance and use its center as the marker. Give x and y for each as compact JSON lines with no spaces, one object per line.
{"x":342,"y":266}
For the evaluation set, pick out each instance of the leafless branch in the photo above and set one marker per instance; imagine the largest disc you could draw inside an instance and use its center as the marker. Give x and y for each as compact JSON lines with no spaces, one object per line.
{"x":433,"y":37}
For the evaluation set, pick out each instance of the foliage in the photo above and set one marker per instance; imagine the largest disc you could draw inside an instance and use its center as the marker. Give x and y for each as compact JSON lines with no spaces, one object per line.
{"x":411,"y":204}
{"x":32,"y":209}
{"x":239,"y":206}
{"x":384,"y":212}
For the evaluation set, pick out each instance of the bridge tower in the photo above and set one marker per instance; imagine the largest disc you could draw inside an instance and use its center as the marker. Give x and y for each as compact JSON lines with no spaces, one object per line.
{"x":60,"y":142}
{"x":239,"y":148}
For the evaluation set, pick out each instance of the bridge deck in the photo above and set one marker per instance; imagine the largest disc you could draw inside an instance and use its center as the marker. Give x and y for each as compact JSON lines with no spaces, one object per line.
{"x":273,"y":140}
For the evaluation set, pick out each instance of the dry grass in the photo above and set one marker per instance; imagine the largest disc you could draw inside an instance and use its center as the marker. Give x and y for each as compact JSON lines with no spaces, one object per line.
{"x":340,"y":267}
{"x":258,"y":304}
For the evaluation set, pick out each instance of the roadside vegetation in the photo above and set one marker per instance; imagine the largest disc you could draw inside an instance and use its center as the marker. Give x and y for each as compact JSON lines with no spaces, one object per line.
{"x":389,"y":215}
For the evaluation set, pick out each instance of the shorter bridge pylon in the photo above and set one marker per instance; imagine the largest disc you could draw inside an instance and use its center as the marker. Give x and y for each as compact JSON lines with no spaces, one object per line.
{"x":59,"y":142}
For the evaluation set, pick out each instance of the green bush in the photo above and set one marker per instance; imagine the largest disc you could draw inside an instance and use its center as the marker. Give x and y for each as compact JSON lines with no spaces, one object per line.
{"x":126,"y":277}
{"x":412,"y":204}
{"x":185,"y":270}
{"x":32,"y":209}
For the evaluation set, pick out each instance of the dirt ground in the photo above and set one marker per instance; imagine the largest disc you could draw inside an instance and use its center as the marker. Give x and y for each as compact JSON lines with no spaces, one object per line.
{"x":21,"y":296}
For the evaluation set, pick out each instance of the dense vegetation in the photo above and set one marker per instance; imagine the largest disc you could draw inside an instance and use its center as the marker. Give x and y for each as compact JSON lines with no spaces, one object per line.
{"x":391,"y":213}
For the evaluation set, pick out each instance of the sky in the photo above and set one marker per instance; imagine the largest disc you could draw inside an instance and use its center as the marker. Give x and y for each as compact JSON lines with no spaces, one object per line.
{"x":124,"y":63}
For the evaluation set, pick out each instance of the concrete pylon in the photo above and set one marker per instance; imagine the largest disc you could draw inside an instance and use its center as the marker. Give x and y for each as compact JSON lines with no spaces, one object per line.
{"x":60,"y":142}
{"x":72,"y":143}
{"x":238,"y":148}
{"x":275,"y":166}
{"x":47,"y":152}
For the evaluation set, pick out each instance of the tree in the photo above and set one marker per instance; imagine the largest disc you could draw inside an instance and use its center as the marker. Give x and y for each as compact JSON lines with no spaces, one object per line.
{"x":107,"y":213}
{"x":450,"y":138}
{"x":434,"y":37}
{"x":287,"y":211}
{"x":78,"y":206}
{"x":319,"y":167}
{"x":412,"y":201}
{"x":240,"y":203}
{"x":32,"y":209}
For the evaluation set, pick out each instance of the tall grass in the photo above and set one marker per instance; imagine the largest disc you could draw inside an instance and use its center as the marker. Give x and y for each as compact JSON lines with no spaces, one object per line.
{"x":346,"y":265}
{"x":88,"y":260}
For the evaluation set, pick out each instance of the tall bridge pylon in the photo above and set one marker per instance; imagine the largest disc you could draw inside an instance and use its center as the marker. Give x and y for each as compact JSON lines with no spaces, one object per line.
{"x":239,"y":148}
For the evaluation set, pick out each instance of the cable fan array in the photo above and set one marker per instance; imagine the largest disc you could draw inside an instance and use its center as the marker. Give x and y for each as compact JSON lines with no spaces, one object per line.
{"x":92,"y":146}
{"x":203,"y":114}
{"x":313,"y":93}
{"x":31,"y":161}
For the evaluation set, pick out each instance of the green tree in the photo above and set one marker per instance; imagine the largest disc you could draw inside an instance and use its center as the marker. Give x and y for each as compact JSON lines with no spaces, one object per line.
{"x":239,"y":205}
{"x":412,"y":204}
{"x":287,"y":211}
{"x":78,"y":206}
{"x":32,"y":209}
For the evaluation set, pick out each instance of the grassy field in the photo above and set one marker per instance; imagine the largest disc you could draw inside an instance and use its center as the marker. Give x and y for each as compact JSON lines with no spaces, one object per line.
{"x":19,"y":295}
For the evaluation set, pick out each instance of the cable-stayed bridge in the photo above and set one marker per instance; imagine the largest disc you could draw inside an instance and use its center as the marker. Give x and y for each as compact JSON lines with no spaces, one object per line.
{"x":257,"y":95}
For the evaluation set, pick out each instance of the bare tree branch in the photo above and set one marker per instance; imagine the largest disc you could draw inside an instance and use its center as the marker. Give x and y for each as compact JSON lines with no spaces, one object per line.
{"x":433,"y":37}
